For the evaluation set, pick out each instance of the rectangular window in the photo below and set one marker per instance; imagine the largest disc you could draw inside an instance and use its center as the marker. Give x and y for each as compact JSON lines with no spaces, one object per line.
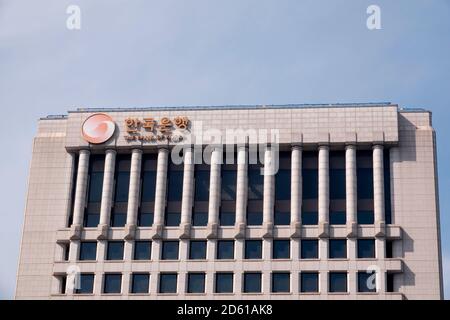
{"x":228,"y":185}
{"x":252,"y":282}
{"x":196,"y":283}
{"x":119,"y":216}
{"x":282,"y":218}
{"x":173,"y":219}
{"x":66,"y":251}
{"x":88,"y":250}
{"x":389,"y":249}
{"x":142,"y":250}
{"x":197,"y":250}
{"x":338,"y":217}
{"x":115,"y":250}
{"x":255,"y":182}
{"x":310,"y":175}
{"x":366,"y":281}
{"x":175,"y":182}
{"x":95,"y":187}
{"x":366,"y":248}
{"x":224,"y":282}
{"x":145,"y":219}
{"x":148,"y":176}
{"x":281,"y":282}
{"x":201,"y":173}
{"x":112,"y":283}
{"x":169,"y":250}
{"x":337,"y":248}
{"x":387,"y":187}
{"x":337,"y":282}
{"x":168,"y":283}
{"x":310,"y":218}
{"x":140,"y":283}
{"x":122,"y":184}
{"x":390,"y":281}
{"x":309,"y":282}
{"x":281,"y":249}
{"x":227,"y":218}
{"x":309,"y":249}
{"x":253,"y":249}
{"x":86,"y":284}
{"x":283,"y":181}
{"x":365,"y":217}
{"x":91,"y":219}
{"x":199,"y":219}
{"x":254,"y":218}
{"x":364,"y":165}
{"x":62,"y":282}
{"x":225,"y":249}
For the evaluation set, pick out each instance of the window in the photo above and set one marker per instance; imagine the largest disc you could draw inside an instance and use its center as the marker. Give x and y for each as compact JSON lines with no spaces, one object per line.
{"x":389,"y":249}
{"x":94,"y":193}
{"x":283,"y":180}
{"x":310,"y":218}
{"x":228,"y":173}
{"x":225,"y":249}
{"x":337,"y":282}
{"x":366,"y":281}
{"x":254,"y":218}
{"x":255,"y":182}
{"x":168,"y":283}
{"x":118,"y":216}
{"x":253,"y":249}
{"x":169,"y":250}
{"x":252,"y":282}
{"x":175,"y":182}
{"x":224,"y":282}
{"x":88,"y":251}
{"x":201,"y":173}
{"x":86,"y":284}
{"x":115,"y":250}
{"x":227,"y":218}
{"x":281,"y":249}
{"x":338,"y":217}
{"x":197,"y":250}
{"x":112,"y":283}
{"x":281,"y":282}
{"x":199,"y":219}
{"x":66,"y":250}
{"x":309,"y":249}
{"x":145,"y":219}
{"x":62,"y":282}
{"x":337,"y":248}
{"x":309,"y":282}
{"x":196,"y":283}
{"x":366,"y":248}
{"x":146,"y":214}
{"x":140,"y":283}
{"x":122,"y":184}
{"x":390,"y":282}
{"x":91,"y":219}
{"x":387,"y":187}
{"x":282,"y":218}
{"x":310,"y":183}
{"x":365,"y":217}
{"x":142,"y":250}
{"x":173,"y":219}
{"x":337,"y":183}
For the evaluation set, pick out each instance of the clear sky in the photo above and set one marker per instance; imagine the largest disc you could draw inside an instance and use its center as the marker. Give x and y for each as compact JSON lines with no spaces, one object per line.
{"x":140,"y":53}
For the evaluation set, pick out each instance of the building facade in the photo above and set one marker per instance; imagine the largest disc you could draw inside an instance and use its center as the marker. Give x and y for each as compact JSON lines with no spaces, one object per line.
{"x":233,"y":202}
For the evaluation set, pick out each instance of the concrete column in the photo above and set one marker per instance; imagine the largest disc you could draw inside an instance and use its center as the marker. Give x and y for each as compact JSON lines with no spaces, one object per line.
{"x":351,"y":202}
{"x":378,"y":190}
{"x":80,"y":193}
{"x":107,"y":193}
{"x":269,"y":192}
{"x":296,"y":190}
{"x":214,"y":192}
{"x":134,"y":193}
{"x":160,"y":192}
{"x":188,"y":192}
{"x":324,"y":190}
{"x":241,"y":191}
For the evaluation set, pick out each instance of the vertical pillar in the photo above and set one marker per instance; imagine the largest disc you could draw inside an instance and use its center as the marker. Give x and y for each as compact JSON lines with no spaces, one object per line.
{"x":188,"y":192}
{"x":214,"y":192}
{"x":133,"y":194}
{"x":269,"y":192}
{"x":378,"y":190}
{"x":351,"y":202}
{"x":324,"y":190}
{"x":80,"y":193}
{"x":241,"y":191}
{"x":296,"y":190}
{"x":107,"y":193}
{"x":160,"y":192}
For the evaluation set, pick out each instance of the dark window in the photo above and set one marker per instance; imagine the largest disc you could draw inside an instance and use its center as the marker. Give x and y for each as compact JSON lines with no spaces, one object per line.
{"x":169,"y":250}
{"x":225,"y":249}
{"x":66,"y":251}
{"x":310,"y":183}
{"x":88,"y":251}
{"x":389,"y":249}
{"x":254,"y":218}
{"x":175,"y":182}
{"x":148,"y":186}
{"x":309,"y":249}
{"x":253,"y":249}
{"x":122,"y":180}
{"x":366,"y":281}
{"x":387,"y":187}
{"x":199,"y":219}
{"x":196,"y":283}
{"x":227,"y":218}
{"x":224,"y":282}
{"x":73,"y":188}
{"x":252,"y":282}
{"x":366,"y":248}
{"x":145,"y":219}
{"x":337,"y":183}
{"x":62,"y":284}
{"x":168,"y":283}
{"x":118,"y":218}
{"x":364,"y":164}
{"x":255,"y":182}
{"x":140,"y":283}
{"x":115,"y":250}
{"x":310,"y":218}
{"x":202,"y":183}
{"x":86,"y":284}
{"x":282,"y":218}
{"x":390,"y":282}
{"x":142,"y":250}
{"x":197,"y":250}
{"x":91,"y":219}
{"x":281,"y":282}
{"x":309,"y":282}
{"x":365,"y":217}
{"x":337,"y":248}
{"x":281,"y":249}
{"x":337,"y":282}
{"x":146,"y":209}
{"x":122,"y":183}
{"x":338,"y":217}
{"x":95,"y":186}
{"x":283,"y":185}
{"x":228,"y":184}
{"x":112,"y":283}
{"x":173,"y":219}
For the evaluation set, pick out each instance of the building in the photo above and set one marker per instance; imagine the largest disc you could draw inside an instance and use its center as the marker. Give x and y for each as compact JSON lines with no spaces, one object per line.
{"x":351,"y":211}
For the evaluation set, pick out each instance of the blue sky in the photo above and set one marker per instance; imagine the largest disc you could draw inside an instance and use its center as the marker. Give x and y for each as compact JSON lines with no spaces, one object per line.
{"x":140,"y":53}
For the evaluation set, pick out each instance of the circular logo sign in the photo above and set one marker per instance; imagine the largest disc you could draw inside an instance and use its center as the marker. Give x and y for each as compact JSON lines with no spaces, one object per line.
{"x":98,"y":128}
